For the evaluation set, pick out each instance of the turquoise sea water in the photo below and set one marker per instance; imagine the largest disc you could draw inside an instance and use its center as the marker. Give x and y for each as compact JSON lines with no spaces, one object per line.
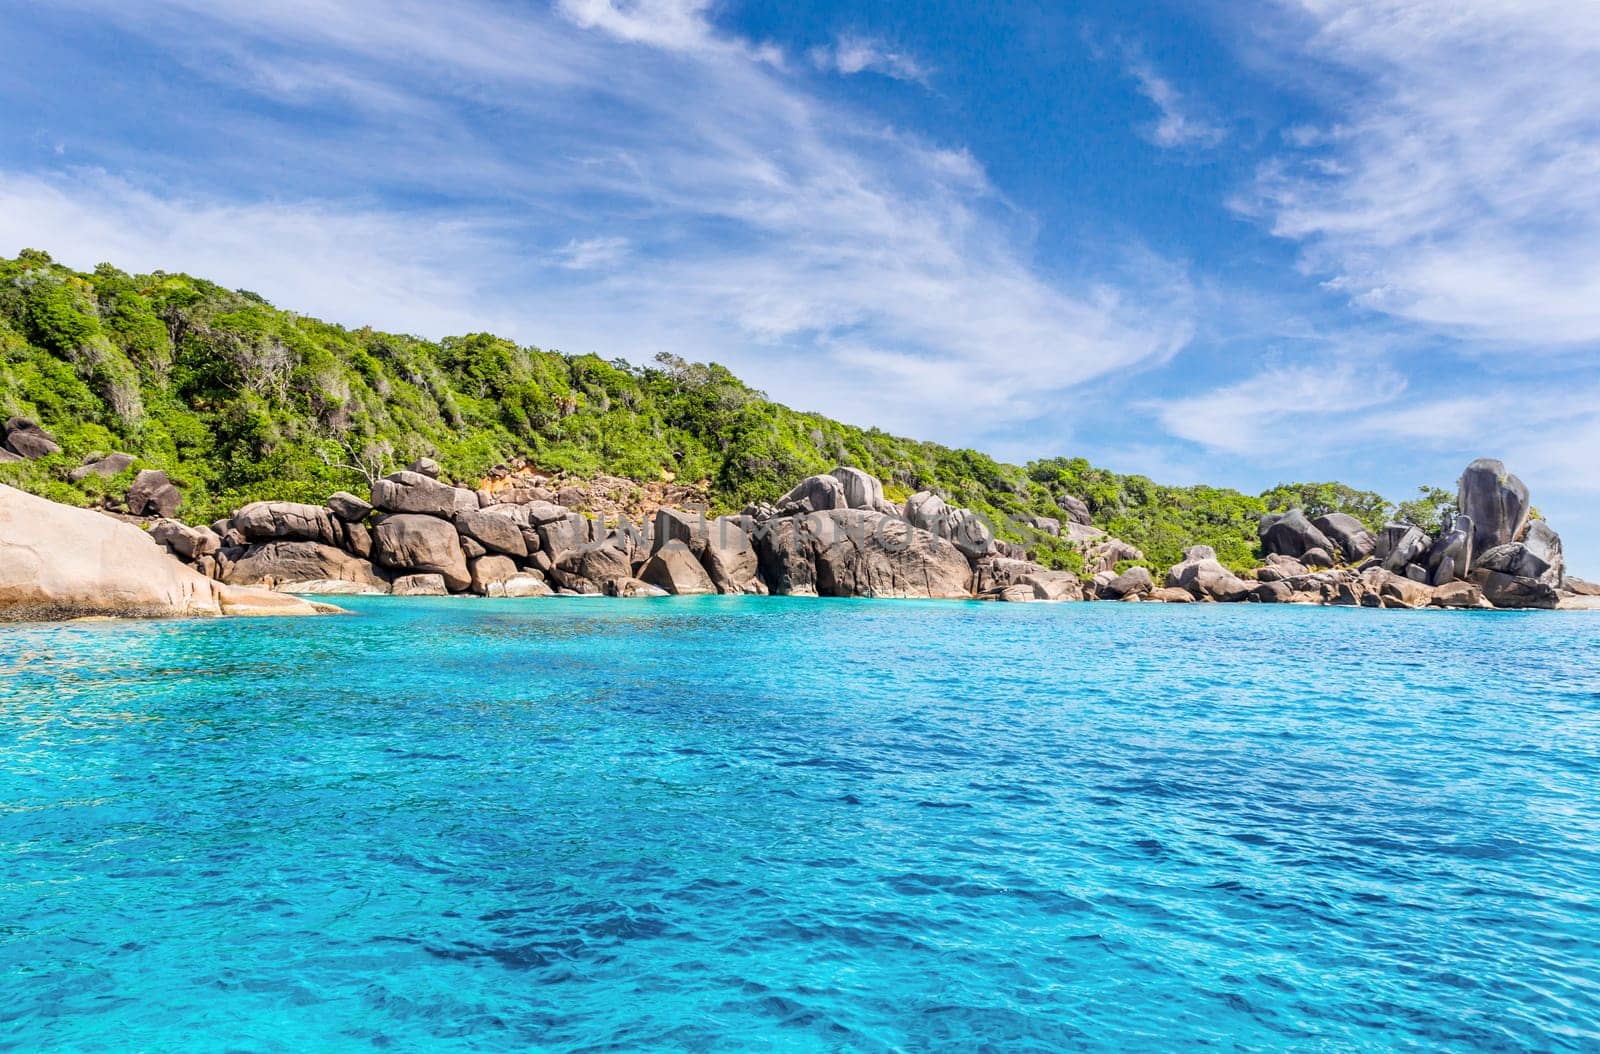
{"x":740,"y":824}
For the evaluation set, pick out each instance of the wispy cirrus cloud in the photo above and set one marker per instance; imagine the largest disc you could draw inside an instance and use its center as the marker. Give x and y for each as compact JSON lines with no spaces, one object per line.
{"x":1456,"y":182}
{"x":852,"y":54}
{"x":745,"y":219}
{"x":1180,"y":122}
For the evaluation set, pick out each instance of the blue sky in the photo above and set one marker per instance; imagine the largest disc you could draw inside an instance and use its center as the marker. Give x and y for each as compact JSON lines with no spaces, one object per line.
{"x":1241,"y":243}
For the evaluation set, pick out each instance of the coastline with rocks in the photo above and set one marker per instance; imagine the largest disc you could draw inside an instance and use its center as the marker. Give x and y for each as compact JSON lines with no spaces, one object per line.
{"x":832,"y":535}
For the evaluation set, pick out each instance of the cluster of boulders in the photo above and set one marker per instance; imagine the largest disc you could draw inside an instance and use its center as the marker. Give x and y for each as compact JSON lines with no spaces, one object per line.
{"x":832,"y":535}
{"x":61,"y":562}
{"x":838,"y":535}
{"x":1493,"y":554}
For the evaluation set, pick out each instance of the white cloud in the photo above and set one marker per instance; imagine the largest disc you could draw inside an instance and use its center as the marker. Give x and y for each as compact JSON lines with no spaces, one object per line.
{"x":592,"y":253}
{"x":1458,"y":185}
{"x":853,"y":54}
{"x":1265,"y":414}
{"x":762,"y":227}
{"x":1179,"y":125}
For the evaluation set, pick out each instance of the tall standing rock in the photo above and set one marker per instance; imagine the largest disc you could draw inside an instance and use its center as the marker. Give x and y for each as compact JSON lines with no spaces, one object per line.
{"x":1544,"y":543}
{"x":1496,"y":500}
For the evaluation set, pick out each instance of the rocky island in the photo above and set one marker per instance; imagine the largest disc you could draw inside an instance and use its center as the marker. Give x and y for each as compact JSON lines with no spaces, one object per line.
{"x":248,"y":448}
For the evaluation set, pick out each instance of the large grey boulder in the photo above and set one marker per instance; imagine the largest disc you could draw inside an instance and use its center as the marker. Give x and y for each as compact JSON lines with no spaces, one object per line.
{"x":266,"y":521}
{"x":496,"y":531}
{"x":58,"y":562}
{"x":413,"y":492}
{"x":1076,"y":510}
{"x":1204,"y":577}
{"x":105,"y":466}
{"x":1450,"y":557}
{"x":420,"y":585}
{"x":1543,"y":542}
{"x":685,"y":527}
{"x":1046,"y":525}
{"x":1355,"y":542}
{"x":279,"y":565}
{"x":729,"y":557}
{"x":348,"y":507}
{"x":1054,"y":586}
{"x":185,"y":542}
{"x":862,"y":490}
{"x":152,"y":494}
{"x":1291,"y":534}
{"x":603,"y":563}
{"x":927,"y":511}
{"x":1512,"y":591}
{"x":411,"y":544}
{"x":1514,"y":559}
{"x":1135,"y":581}
{"x":26,"y":439}
{"x":675,"y":569}
{"x":489,"y":571}
{"x":859,"y":553}
{"x":1496,"y":500}
{"x":813,"y":494}
{"x":971,"y":534}
{"x":1399,"y":545}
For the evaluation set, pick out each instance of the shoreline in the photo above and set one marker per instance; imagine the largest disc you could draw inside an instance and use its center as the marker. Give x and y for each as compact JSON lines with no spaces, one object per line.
{"x":831,"y":535}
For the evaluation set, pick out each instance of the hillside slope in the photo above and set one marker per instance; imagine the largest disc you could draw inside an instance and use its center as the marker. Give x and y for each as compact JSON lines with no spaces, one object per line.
{"x":239,"y":400}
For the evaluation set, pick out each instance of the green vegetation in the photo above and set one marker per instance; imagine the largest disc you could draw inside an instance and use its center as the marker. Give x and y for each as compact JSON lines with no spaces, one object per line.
{"x":240,"y":401}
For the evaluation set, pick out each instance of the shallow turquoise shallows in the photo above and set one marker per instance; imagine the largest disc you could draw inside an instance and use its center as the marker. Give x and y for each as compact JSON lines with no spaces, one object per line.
{"x":754,"y":824}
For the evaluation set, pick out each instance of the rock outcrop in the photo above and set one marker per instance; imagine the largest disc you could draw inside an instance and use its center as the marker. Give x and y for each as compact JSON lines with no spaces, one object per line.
{"x":58,"y":562}
{"x":414,"y":543}
{"x":27,"y":440}
{"x":1496,"y":500}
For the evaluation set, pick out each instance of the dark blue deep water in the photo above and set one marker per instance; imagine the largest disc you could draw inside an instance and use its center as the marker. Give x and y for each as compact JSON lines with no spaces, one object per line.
{"x":802,"y":825}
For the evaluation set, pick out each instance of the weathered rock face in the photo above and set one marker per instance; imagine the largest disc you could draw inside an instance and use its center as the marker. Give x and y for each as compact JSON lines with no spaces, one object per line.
{"x":1135,"y":581}
{"x":1291,"y":534}
{"x":675,"y":570}
{"x":1510,"y":591}
{"x":152,"y":494}
{"x":633,"y":588}
{"x":730,"y":559}
{"x":1582,"y":588}
{"x":278,"y":564}
{"x":971,"y":534}
{"x":1545,"y":544}
{"x":413,"y":492}
{"x":59,"y":562}
{"x":1205,"y":578}
{"x":861,"y":491}
{"x":995,"y":573}
{"x":855,"y":552}
{"x":677,"y":525}
{"x":415,"y":544}
{"x":603,"y":563}
{"x":1451,"y":554}
{"x":1053,"y":586}
{"x":26,"y":439}
{"x":927,"y":511}
{"x":1396,"y":591}
{"x":523,"y":584}
{"x":1317,"y":558}
{"x":266,"y":521}
{"x":1514,"y":559}
{"x":498,"y":532}
{"x":105,"y":467}
{"x":1077,"y":510}
{"x":813,"y":494}
{"x":1279,"y":567}
{"x":1355,"y":542}
{"x":425,"y":466}
{"x":1046,"y":525}
{"x":1399,"y":545}
{"x":488,"y":571}
{"x":1496,"y":500}
{"x":187,"y":543}
{"x":348,"y":507}
{"x":1172,"y":595}
{"x":1459,"y":595}
{"x":422,"y":585}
